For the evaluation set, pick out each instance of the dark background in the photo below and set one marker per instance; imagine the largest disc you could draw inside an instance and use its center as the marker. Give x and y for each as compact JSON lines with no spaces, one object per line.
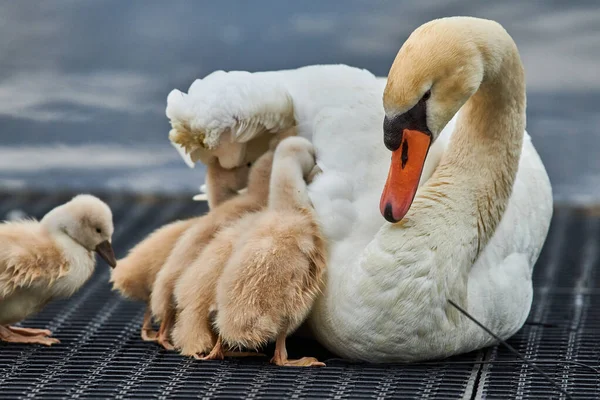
{"x":83,"y":84}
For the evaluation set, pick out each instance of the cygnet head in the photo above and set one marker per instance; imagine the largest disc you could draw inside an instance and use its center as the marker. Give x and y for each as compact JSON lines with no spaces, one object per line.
{"x":88,"y":221}
{"x":260,"y":170}
{"x":229,"y":181}
{"x":298,"y":149}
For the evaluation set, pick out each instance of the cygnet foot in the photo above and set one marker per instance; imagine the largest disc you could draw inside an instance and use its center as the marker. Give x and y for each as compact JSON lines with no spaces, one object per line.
{"x":13,"y":334}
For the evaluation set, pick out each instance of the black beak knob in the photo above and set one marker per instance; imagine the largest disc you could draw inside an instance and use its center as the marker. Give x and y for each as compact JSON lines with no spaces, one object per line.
{"x":392,"y":132}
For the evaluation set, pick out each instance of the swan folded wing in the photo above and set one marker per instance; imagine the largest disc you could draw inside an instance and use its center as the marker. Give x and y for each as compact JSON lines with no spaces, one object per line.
{"x":28,"y":258}
{"x":249,"y":104}
{"x":243,"y":103}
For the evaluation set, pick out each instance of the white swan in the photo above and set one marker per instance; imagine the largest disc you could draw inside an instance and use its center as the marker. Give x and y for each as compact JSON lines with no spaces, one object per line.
{"x":466,"y":237}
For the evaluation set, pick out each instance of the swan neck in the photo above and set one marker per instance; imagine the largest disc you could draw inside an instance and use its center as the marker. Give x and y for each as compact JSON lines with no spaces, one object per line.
{"x":486,"y":147}
{"x":497,"y":110}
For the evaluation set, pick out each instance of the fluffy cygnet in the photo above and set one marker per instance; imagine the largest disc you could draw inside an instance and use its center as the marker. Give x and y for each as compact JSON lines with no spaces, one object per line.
{"x":267,"y":268}
{"x":50,"y":259}
{"x":135,"y":275}
{"x":194,"y":240}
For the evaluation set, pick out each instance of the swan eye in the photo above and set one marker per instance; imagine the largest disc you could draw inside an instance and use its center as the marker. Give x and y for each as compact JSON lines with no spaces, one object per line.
{"x":98,"y":230}
{"x":427,"y":95}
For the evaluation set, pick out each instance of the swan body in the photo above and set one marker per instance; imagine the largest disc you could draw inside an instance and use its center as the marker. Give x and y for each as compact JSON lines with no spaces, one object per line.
{"x":387,"y":287}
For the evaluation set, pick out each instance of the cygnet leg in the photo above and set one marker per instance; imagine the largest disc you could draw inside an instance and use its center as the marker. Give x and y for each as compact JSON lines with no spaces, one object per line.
{"x":148,"y":333}
{"x":164,"y":332}
{"x":218,"y":352}
{"x":281,"y":357}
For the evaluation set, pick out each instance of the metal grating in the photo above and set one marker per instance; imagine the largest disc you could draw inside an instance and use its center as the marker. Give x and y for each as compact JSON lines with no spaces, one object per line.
{"x":101,"y":355}
{"x":564,"y":322}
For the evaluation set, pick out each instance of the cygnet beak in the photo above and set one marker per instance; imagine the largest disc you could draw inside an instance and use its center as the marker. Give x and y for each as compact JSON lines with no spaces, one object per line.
{"x":105,"y":251}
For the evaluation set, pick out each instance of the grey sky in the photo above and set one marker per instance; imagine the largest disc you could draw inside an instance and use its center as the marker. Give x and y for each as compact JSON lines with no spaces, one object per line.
{"x":97,"y":73}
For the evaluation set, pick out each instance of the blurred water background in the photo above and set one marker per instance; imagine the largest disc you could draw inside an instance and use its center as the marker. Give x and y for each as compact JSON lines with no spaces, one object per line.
{"x":83,"y":84}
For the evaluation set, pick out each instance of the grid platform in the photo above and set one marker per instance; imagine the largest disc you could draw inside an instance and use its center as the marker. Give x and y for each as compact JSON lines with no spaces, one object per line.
{"x":102,"y":356}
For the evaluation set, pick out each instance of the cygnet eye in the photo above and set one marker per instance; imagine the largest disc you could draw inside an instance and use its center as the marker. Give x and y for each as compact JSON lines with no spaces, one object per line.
{"x":249,"y":165}
{"x":427,"y":95}
{"x":98,"y":230}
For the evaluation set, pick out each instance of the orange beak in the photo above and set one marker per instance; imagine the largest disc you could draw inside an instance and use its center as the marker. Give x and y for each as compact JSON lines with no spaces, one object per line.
{"x":404,"y":175}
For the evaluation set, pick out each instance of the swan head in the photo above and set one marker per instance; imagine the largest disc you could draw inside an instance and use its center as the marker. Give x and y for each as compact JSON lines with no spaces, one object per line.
{"x":439,"y":67}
